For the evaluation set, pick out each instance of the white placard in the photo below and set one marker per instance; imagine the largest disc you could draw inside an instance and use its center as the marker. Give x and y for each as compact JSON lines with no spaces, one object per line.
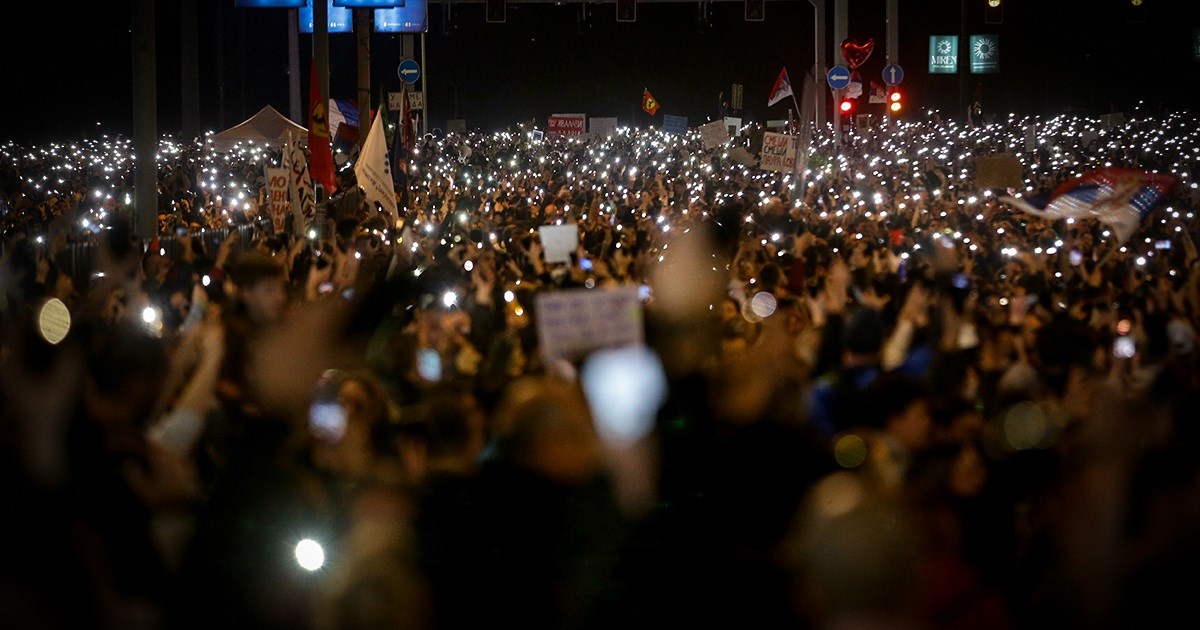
{"x":573,"y":322}
{"x":714,"y":134}
{"x":559,"y":241}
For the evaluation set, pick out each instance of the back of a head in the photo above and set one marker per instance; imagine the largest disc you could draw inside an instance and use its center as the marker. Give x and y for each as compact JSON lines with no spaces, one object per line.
{"x":863,"y":334}
{"x":252,"y":267}
{"x":544,"y":425}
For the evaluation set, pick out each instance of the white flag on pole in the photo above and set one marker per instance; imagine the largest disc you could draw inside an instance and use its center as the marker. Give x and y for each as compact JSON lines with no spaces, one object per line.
{"x":374,"y":173}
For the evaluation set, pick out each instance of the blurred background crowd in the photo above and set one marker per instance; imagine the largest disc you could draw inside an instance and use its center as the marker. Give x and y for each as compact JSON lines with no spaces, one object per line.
{"x":871,"y":396}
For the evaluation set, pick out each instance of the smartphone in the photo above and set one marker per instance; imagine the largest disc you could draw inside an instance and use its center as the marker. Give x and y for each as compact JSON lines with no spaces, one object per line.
{"x":1124,"y":347}
{"x":586,"y":264}
{"x":325,"y":287}
{"x":1075,"y":257}
{"x":429,"y":364}
{"x":1163,"y":244}
{"x":327,"y":420}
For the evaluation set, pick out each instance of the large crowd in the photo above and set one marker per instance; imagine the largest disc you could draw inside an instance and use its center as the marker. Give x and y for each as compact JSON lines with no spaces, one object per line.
{"x":869,"y":392}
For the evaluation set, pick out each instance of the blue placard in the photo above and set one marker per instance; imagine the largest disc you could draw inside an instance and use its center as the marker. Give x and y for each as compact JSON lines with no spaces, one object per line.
{"x":340,"y":19}
{"x":368,"y":4}
{"x":413,"y":17}
{"x":893,"y":74}
{"x":674,"y":124}
{"x":271,"y":4}
{"x":838,"y":77}
{"x":409,"y":71}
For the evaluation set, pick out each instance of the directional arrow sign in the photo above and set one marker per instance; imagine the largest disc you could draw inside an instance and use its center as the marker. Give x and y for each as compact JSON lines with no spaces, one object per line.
{"x":838,"y":77}
{"x":893,"y":74}
{"x":409,"y":71}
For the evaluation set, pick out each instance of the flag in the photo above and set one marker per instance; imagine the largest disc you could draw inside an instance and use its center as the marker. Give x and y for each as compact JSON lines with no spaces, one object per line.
{"x":782,"y":89}
{"x":400,"y":149}
{"x":318,"y":135}
{"x":409,"y":134}
{"x":343,"y":112}
{"x":649,"y":103}
{"x":1117,"y":196}
{"x":878,"y":93}
{"x":373,"y":172}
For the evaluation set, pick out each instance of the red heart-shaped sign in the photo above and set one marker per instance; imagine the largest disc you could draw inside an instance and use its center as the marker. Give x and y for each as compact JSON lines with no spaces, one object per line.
{"x":855,"y":52}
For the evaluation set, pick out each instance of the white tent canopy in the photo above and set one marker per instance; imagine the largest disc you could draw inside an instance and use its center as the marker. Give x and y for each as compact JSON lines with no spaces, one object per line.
{"x":267,"y":126}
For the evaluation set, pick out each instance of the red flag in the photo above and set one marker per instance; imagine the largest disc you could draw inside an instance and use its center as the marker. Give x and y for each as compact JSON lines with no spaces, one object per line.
{"x":649,"y":103}
{"x":318,"y":135}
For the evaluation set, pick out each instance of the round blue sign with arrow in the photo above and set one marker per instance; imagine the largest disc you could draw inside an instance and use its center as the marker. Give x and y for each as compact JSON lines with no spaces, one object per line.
{"x":838,"y":77}
{"x":893,"y":74}
{"x":409,"y":71}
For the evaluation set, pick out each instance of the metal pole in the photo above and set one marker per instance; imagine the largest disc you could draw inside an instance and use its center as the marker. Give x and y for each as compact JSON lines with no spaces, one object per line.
{"x":296,"y":109}
{"x":189,"y":70}
{"x":893,"y":31}
{"x":820,"y":62}
{"x":145,"y":117}
{"x":362,"y":30}
{"x":962,"y":77}
{"x":321,"y":46}
{"x":840,"y":31}
{"x":425,"y":93}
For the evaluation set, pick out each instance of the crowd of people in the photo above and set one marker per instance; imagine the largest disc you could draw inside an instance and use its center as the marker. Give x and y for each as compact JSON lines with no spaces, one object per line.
{"x":870,"y":393}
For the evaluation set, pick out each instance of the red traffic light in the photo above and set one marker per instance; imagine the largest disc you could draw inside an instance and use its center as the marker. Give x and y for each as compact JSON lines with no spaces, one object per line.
{"x":846,"y":105}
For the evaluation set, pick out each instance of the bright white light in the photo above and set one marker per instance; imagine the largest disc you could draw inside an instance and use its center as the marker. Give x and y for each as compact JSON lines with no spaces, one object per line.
{"x":509,"y":296}
{"x":149,"y":314}
{"x":624,"y":388}
{"x":309,"y":554}
{"x":449,"y":298}
{"x":205,"y":280}
{"x":468,"y":265}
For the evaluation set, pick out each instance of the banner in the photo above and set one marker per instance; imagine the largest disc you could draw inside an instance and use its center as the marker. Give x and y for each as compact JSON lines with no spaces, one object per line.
{"x":998,"y":172}
{"x":300,"y":188}
{"x":778,"y":153}
{"x":601,"y":127}
{"x":413,"y":17}
{"x":574,"y":322}
{"x":714,"y":134}
{"x":943,"y":54}
{"x":373,"y":172}
{"x":674,"y":124}
{"x":985,"y":54}
{"x":277,"y":197}
{"x":566,"y":125}
{"x":340,"y":18}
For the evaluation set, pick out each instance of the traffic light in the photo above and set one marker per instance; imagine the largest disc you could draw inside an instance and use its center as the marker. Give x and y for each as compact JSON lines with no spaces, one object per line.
{"x":846,"y":106}
{"x":993,"y":12}
{"x":895,"y":101}
{"x":626,"y":10}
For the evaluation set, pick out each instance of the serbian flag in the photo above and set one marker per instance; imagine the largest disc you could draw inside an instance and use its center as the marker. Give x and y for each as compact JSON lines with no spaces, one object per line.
{"x":782,"y":89}
{"x":649,"y":103}
{"x":1120,"y":197}
{"x":321,"y":156}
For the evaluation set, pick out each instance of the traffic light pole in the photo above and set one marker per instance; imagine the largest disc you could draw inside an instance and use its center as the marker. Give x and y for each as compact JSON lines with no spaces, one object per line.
{"x":840,"y":31}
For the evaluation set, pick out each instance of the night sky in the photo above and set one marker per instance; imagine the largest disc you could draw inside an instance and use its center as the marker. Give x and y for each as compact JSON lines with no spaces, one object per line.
{"x":74,"y":78}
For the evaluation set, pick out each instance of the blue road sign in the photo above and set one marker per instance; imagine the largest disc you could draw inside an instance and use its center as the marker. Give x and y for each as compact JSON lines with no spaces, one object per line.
{"x":409,"y":71}
{"x":838,"y":77}
{"x":893,"y":74}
